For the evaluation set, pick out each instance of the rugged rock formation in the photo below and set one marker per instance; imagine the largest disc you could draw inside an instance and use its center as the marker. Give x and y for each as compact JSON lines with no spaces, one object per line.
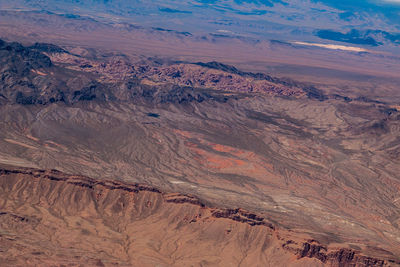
{"x":45,"y":73}
{"x":339,"y":257}
{"x":29,"y":76}
{"x":48,"y":217}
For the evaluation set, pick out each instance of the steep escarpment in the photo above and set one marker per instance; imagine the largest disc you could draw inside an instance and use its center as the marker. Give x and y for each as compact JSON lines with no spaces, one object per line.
{"x":339,"y":257}
{"x":49,"y":217}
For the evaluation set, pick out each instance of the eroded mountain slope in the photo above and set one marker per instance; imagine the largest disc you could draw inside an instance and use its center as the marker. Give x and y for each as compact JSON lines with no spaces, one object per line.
{"x":50,"y":218}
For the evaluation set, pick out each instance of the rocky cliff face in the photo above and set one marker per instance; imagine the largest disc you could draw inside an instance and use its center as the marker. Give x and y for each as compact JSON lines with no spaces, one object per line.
{"x":339,"y":257}
{"x":52,"y":218}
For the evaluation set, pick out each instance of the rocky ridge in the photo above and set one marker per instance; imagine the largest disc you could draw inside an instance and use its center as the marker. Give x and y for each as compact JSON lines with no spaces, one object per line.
{"x":45,"y":73}
{"x":124,"y":205}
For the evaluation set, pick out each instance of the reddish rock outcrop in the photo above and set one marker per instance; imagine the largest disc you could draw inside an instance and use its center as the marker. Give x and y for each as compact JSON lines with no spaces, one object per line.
{"x":133,"y":208}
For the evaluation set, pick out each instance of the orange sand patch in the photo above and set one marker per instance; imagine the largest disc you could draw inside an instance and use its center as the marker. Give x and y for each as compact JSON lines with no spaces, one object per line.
{"x":242,"y":166}
{"x":222,"y":148}
{"x":218,"y":162}
{"x":227,"y":149}
{"x":239,"y":161}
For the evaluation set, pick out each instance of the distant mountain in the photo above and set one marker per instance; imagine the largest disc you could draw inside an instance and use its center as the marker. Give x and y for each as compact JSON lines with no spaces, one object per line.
{"x":260,"y":19}
{"x":367,"y":37}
